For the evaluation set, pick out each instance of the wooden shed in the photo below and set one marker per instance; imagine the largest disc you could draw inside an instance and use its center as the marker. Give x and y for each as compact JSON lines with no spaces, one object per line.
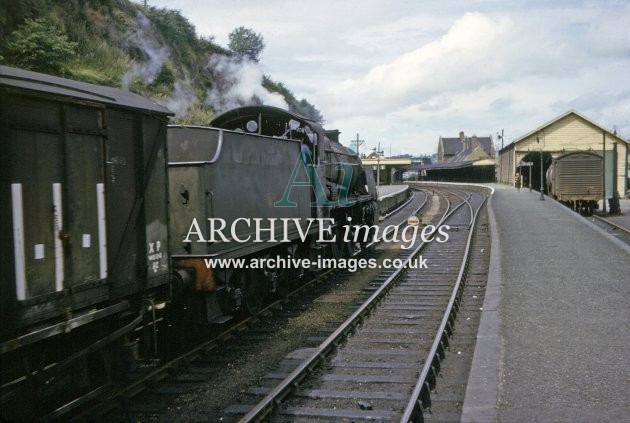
{"x":570,"y":131}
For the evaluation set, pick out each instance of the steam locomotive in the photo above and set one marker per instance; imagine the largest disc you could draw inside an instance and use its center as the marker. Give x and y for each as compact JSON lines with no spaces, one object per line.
{"x":111,"y":223}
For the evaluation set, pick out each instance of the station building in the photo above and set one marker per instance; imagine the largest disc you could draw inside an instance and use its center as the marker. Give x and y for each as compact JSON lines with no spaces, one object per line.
{"x":570,"y":131}
{"x":460,"y":159}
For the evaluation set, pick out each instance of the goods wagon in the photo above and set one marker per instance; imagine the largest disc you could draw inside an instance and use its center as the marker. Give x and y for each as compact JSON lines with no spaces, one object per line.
{"x":84,"y":241}
{"x":576,"y":179}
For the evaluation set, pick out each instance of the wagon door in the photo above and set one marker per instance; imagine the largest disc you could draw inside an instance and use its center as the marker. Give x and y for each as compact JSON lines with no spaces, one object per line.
{"x":55,"y":187}
{"x":84,"y":233}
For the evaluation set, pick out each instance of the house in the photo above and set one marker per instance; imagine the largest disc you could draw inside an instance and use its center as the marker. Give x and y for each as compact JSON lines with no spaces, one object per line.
{"x":465,"y":148}
{"x":462,"y":159}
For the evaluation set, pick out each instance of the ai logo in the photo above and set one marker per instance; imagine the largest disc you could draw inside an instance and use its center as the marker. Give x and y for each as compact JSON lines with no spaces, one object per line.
{"x":313,"y":181}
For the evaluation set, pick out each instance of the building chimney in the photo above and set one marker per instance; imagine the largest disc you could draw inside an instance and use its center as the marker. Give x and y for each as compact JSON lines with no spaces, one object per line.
{"x":475,"y":142}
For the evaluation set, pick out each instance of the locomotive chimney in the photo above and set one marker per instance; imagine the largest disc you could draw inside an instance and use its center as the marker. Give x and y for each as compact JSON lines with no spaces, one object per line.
{"x":333,"y":135}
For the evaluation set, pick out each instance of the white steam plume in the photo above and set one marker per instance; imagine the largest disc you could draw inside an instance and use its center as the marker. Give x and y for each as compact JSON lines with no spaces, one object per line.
{"x":155,"y":53}
{"x":238,"y":82}
{"x":181,"y":99}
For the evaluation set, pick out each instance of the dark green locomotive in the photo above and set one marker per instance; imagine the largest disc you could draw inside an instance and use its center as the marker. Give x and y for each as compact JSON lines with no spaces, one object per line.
{"x":259,"y":172}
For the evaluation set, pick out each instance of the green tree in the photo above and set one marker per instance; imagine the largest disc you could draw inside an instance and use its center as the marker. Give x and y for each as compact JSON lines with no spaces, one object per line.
{"x":246,"y":43}
{"x":38,"y":45}
{"x":13,"y":13}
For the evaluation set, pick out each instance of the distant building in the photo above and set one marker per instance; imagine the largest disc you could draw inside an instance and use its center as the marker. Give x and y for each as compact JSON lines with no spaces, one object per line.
{"x":461,"y":159}
{"x":570,"y":131}
{"x":413,"y":171}
{"x":387,"y":171}
{"x":465,"y":148}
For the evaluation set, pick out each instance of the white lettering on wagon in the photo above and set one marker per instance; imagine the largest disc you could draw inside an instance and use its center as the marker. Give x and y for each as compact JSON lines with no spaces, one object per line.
{"x":154,"y":256}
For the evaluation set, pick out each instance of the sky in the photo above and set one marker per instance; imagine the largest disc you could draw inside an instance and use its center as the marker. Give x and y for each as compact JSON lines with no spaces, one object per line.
{"x":403,"y":73}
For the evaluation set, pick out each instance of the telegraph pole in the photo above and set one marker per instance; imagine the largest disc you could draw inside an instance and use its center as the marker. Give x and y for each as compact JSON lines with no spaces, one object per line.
{"x":358,"y":143}
{"x":501,"y":138}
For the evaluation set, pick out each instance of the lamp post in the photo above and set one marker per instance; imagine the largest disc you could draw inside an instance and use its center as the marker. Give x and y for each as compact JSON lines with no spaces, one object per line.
{"x":501,"y":170}
{"x":542,"y":187}
{"x":378,"y":152}
{"x":604,"y":169}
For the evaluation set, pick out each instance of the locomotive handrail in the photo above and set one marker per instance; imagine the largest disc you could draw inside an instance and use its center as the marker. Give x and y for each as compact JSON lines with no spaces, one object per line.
{"x":203,"y":162}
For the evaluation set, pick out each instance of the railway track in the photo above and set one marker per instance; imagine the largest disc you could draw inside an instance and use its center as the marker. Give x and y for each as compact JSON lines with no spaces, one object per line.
{"x":618,"y":231}
{"x":382,"y":362}
{"x":152,"y":390}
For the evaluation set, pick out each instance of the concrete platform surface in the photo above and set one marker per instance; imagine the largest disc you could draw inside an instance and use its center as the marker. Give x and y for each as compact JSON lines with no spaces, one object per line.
{"x":553,"y":343}
{"x":385,"y":191}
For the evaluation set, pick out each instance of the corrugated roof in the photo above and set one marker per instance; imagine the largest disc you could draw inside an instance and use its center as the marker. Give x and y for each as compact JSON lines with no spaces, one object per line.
{"x":39,"y":82}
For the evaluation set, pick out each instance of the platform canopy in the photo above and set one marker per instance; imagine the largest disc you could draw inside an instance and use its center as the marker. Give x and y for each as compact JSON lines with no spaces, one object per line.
{"x":570,"y":131}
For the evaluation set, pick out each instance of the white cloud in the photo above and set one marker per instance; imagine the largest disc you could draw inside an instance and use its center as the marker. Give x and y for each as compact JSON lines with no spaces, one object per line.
{"x":608,"y":35}
{"x":455,"y":61}
{"x":404,"y":73}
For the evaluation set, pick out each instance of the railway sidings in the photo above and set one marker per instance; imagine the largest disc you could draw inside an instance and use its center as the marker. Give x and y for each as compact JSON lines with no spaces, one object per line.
{"x":240,"y":352}
{"x":256,"y":356}
{"x":382,"y":362}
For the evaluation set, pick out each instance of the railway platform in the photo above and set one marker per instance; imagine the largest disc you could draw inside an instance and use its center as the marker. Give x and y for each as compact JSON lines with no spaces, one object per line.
{"x":553,"y":341}
{"x":385,"y":191}
{"x":390,"y":197}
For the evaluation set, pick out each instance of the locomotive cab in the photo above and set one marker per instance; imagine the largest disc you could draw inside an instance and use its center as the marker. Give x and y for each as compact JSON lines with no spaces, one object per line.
{"x":273,"y":122}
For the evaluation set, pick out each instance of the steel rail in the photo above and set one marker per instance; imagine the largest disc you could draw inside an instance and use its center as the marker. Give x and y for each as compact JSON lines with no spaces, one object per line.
{"x":401,"y":206}
{"x":421,"y":397}
{"x":291,"y":382}
{"x":613,"y":224}
{"x":140,"y":384}
{"x":379,"y":239}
